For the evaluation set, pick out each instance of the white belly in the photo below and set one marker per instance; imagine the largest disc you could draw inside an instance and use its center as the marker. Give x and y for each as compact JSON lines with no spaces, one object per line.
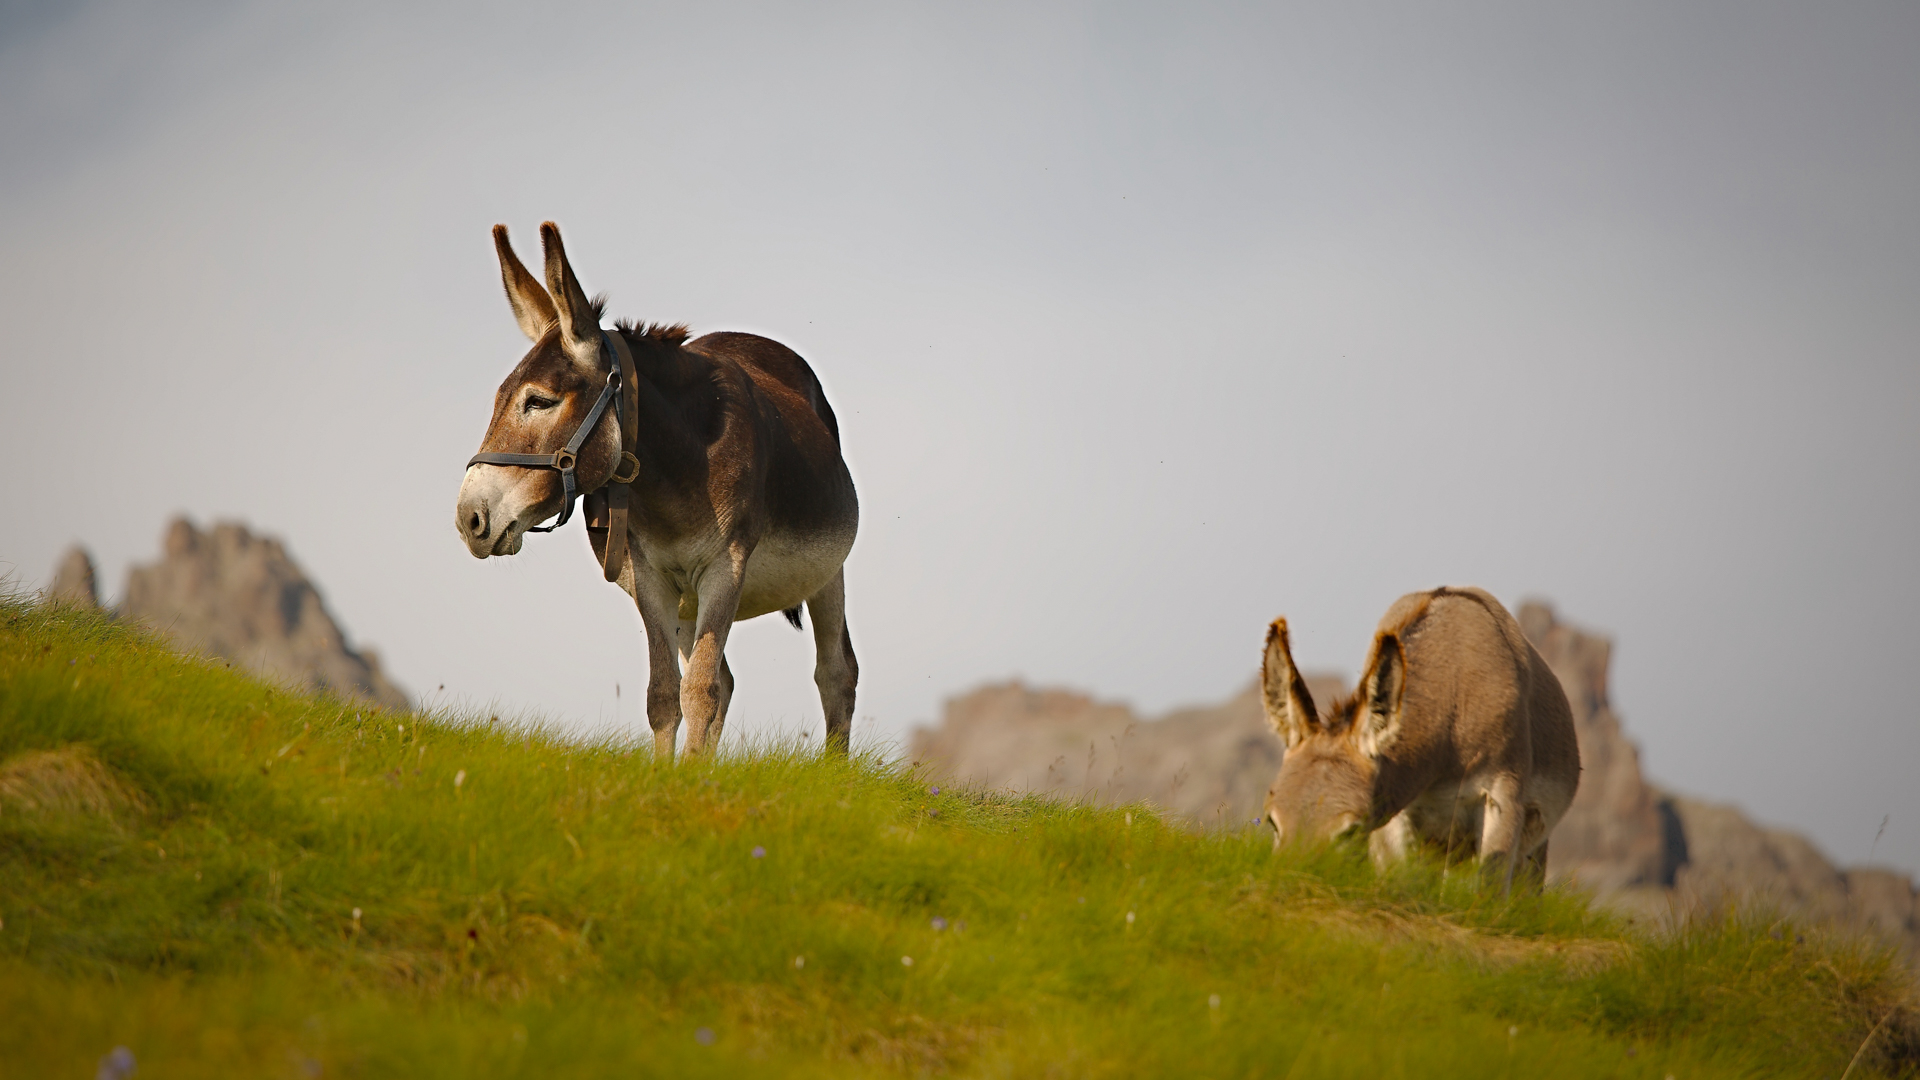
{"x":785,"y":571}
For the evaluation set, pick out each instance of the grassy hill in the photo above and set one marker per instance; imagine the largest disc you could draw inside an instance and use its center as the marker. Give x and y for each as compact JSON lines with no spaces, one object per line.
{"x":231,"y":880}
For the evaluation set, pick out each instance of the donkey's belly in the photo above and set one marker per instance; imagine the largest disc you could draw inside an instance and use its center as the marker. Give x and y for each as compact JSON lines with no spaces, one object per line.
{"x":784,"y":571}
{"x":1450,"y":815}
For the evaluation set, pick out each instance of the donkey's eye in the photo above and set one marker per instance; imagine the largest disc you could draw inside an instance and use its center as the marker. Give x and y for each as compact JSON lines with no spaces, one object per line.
{"x":535,"y":401}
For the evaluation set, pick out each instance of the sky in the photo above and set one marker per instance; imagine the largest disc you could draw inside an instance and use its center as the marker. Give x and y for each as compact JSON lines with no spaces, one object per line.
{"x":1144,"y":324}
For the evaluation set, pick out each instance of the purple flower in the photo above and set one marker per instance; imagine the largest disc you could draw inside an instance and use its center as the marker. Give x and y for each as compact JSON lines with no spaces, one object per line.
{"x":758,"y":853}
{"x":933,"y":791}
{"x":703,"y":1036}
{"x":117,"y":1065}
{"x":939,"y":923}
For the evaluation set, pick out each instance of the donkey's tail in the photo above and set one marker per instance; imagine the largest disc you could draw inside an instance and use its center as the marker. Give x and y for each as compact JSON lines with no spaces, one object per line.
{"x":793,"y":615}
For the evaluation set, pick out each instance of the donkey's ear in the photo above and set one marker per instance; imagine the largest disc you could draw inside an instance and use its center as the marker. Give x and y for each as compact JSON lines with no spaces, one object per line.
{"x":1382,"y":690}
{"x":579,"y":317}
{"x":1282,"y":692}
{"x":532,"y":307}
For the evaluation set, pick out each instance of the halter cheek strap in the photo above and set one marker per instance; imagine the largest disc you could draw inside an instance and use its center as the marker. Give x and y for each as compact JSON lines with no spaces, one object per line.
{"x":627,"y":403}
{"x":565,"y":458}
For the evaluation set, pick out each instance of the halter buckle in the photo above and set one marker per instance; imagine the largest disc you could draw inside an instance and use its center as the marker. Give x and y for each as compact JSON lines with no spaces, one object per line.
{"x":628,"y":470}
{"x":563,"y":459}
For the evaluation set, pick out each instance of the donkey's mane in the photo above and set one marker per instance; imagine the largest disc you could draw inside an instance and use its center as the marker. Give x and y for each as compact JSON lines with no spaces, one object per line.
{"x":663,"y":333}
{"x":1341,"y":710}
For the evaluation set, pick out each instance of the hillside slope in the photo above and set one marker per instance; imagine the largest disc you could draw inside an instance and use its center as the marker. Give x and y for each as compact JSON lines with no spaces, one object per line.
{"x":227,"y":879}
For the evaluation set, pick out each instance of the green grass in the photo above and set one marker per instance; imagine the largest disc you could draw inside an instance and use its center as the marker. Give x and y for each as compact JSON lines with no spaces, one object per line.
{"x":183,"y":850}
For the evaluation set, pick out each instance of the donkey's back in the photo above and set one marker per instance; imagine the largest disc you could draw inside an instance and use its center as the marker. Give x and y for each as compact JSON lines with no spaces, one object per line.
{"x":1485,"y":730}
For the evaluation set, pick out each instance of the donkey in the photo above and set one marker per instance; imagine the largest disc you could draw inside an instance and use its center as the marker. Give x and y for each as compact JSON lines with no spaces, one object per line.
{"x":1458,"y":737}
{"x":730,"y":455}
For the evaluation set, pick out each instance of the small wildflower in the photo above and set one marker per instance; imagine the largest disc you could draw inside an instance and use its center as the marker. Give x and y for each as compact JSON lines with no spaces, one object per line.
{"x":906,"y":961}
{"x":1129,"y":918}
{"x":1513,"y":1031}
{"x":356,"y":914}
{"x":933,"y":791}
{"x":939,"y":923}
{"x":759,"y":852}
{"x":1083,"y":899}
{"x":459,"y":778}
{"x":117,"y":1065}
{"x":703,"y":1036}
{"x":1213,"y":1001}
{"x":799,"y":962}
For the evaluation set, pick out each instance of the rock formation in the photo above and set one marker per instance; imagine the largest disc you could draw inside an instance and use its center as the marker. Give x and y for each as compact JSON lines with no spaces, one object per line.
{"x":1615,"y":833}
{"x":1209,"y":766}
{"x":1644,"y":851}
{"x":73,"y":581}
{"x":234,"y":595}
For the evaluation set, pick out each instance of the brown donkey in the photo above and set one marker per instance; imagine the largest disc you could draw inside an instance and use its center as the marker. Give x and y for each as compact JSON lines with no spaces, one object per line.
{"x":1458,"y":737}
{"x":730,"y":456}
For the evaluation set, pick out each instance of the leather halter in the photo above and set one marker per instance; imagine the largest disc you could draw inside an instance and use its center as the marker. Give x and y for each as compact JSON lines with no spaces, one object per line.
{"x":565,"y":458}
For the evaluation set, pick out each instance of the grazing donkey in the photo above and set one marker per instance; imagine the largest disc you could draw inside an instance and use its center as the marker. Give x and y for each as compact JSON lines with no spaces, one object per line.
{"x":1458,"y":736}
{"x":730,"y":456}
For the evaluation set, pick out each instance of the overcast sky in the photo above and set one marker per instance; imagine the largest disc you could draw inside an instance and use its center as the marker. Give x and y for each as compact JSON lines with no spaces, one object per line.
{"x":1144,"y":325}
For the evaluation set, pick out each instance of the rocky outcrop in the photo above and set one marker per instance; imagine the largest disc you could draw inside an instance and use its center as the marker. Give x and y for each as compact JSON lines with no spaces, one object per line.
{"x":1207,"y":766}
{"x":1647,"y":852}
{"x":228,"y":593}
{"x":73,"y":580}
{"x":1614,"y":834}
{"x":1731,"y":860}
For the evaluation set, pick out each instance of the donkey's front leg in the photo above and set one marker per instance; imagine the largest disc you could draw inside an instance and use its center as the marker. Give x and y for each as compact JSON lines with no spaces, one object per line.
{"x":657,"y":599}
{"x":705,"y":687}
{"x":1502,"y":829}
{"x":687,"y":634}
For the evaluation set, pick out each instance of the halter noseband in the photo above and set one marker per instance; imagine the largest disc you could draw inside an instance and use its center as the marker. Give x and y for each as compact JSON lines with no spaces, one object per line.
{"x":565,"y":458}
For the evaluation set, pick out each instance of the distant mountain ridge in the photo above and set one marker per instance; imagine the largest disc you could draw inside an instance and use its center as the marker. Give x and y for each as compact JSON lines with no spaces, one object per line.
{"x":229,"y":593}
{"x":1644,"y":850}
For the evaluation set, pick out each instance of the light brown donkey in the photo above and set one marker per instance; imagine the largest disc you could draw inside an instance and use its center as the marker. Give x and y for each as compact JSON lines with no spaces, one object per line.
{"x":742,"y":504}
{"x":1458,"y":737}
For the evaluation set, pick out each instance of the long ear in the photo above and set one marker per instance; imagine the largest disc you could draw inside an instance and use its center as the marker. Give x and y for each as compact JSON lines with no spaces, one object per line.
{"x":532,"y":307}
{"x":1282,"y":691}
{"x":579,"y":319}
{"x":1382,"y":691}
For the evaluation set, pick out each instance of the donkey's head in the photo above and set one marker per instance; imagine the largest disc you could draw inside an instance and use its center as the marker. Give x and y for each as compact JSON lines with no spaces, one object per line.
{"x":540,"y":405}
{"x":1325,"y":788}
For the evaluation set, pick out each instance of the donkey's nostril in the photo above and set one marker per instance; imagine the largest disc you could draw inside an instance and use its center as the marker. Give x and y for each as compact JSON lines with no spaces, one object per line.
{"x":475,"y":527}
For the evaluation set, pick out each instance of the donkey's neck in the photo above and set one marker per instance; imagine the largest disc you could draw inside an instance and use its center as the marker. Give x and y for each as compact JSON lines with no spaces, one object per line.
{"x":667,"y":365}
{"x":676,"y":402}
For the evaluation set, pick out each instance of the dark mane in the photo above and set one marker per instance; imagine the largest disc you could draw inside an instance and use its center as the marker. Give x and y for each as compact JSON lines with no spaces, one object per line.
{"x":1340,"y":712}
{"x":663,"y":333}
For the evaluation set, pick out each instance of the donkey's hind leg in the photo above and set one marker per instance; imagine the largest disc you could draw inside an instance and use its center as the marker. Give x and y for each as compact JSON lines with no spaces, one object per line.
{"x":835,"y":671}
